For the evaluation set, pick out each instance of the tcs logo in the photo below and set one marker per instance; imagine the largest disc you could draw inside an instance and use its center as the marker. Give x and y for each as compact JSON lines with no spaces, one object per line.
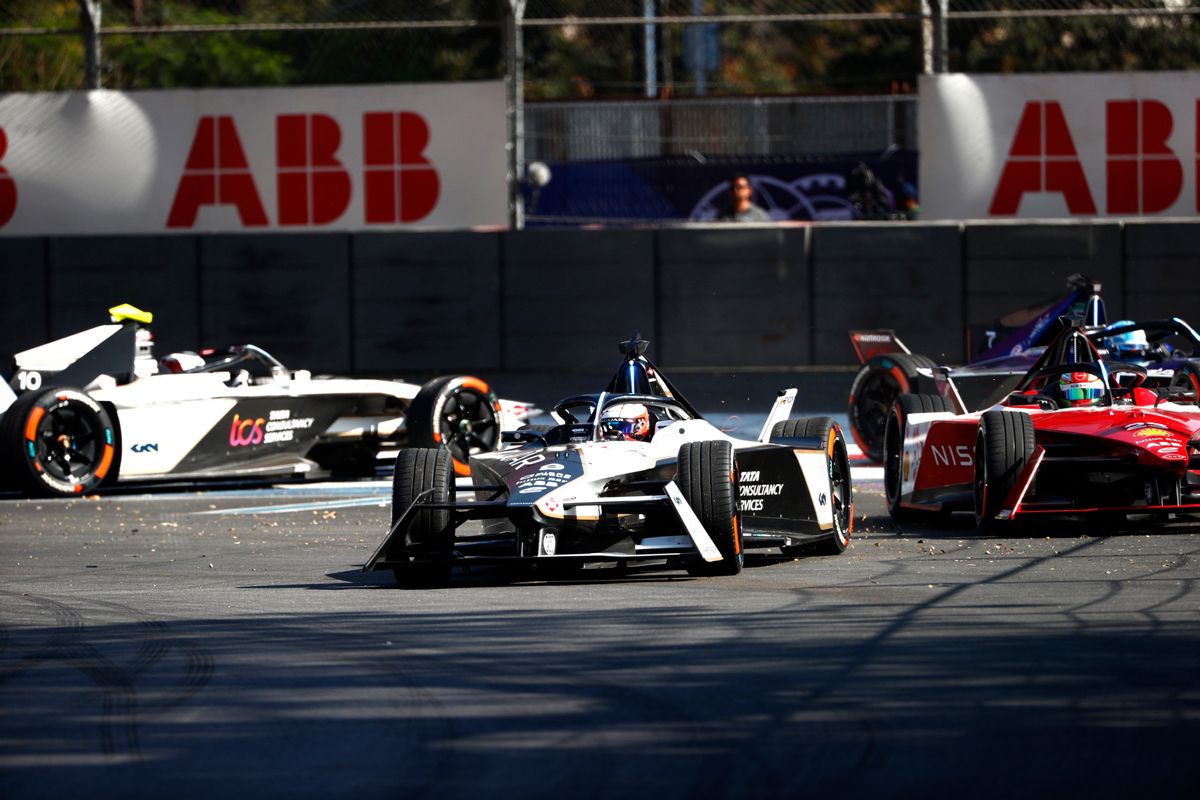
{"x":1142,"y":174}
{"x":8,"y":187}
{"x":246,"y":432}
{"x":313,"y":187}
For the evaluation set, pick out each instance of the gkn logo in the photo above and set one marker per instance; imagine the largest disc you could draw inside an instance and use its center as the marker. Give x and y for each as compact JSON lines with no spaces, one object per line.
{"x":147,"y":447}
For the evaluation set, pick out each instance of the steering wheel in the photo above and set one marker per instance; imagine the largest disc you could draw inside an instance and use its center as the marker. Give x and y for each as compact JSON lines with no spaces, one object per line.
{"x":576,"y":410}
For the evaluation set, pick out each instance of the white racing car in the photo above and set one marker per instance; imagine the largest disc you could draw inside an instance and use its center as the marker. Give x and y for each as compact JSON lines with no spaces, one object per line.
{"x":632,"y":473}
{"x":96,"y":407}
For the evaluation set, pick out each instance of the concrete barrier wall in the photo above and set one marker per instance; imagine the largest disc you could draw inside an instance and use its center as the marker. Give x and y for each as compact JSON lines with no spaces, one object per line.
{"x":733,"y":297}
{"x":905,"y":278}
{"x":555,"y":300}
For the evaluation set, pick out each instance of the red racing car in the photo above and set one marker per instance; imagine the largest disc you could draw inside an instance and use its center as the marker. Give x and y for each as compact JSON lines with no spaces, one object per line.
{"x":1080,"y":435}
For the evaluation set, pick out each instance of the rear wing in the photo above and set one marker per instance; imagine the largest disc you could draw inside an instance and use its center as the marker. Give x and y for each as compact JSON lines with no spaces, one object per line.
{"x":78,"y":360}
{"x":868,"y":344}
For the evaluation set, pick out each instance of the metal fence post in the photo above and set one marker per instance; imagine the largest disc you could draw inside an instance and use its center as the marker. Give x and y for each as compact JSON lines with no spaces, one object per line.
{"x":514,"y":81}
{"x":89,"y":13}
{"x":933,"y":35}
{"x":651,"y":51}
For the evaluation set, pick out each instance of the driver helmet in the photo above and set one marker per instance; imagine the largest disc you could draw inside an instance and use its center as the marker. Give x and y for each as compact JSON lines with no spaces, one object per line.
{"x":1079,"y":389}
{"x":1130,"y":345}
{"x":144,"y":363}
{"x":630,"y":421}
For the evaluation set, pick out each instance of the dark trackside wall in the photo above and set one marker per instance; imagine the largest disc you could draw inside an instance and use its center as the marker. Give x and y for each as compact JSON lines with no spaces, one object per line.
{"x":708,"y":296}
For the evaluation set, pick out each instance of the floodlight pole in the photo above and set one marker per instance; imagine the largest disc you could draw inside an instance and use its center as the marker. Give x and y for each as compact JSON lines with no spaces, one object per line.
{"x":89,"y":13}
{"x":514,"y":82}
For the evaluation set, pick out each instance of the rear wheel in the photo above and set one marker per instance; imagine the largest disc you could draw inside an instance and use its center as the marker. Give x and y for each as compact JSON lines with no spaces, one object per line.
{"x":1003,"y":446}
{"x":894,"y":467}
{"x":873,"y":393}
{"x":707,"y":478}
{"x":59,"y":443}
{"x":424,"y":552}
{"x":459,"y":413}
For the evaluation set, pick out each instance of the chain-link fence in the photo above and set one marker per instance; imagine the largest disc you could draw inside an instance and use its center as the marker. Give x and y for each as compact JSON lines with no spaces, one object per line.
{"x":1072,"y":36}
{"x":165,"y":44}
{"x":584,"y":49}
{"x":624,"y":99}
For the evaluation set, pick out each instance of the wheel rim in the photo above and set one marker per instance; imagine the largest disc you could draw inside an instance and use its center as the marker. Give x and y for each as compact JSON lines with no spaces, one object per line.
{"x":68,"y":443}
{"x":873,"y":404}
{"x":468,"y":424}
{"x":843,"y":502}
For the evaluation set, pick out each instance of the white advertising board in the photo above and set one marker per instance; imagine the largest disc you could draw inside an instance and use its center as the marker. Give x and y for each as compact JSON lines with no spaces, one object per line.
{"x":353,"y":158}
{"x":1056,"y":146}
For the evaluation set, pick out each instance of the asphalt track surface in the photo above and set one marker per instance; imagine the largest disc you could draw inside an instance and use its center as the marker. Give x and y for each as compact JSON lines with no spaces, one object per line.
{"x":225,"y":642}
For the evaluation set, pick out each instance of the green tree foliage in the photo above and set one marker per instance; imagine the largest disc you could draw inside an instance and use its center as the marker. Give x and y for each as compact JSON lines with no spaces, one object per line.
{"x":40,"y":63}
{"x":1077,"y":44}
{"x":570,"y":60}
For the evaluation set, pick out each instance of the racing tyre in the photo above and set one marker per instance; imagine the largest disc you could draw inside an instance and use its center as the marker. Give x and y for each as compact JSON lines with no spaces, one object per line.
{"x":828,"y":434}
{"x":873,"y":393}
{"x":894,"y":468}
{"x":424,"y":554}
{"x":1003,"y":446}
{"x":59,"y":443}
{"x":459,"y":413}
{"x":1186,"y":379}
{"x":707,"y":478}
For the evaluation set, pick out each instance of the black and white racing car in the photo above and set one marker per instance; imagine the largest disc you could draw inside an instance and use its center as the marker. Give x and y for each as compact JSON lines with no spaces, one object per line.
{"x":633,"y":473}
{"x":96,"y":407}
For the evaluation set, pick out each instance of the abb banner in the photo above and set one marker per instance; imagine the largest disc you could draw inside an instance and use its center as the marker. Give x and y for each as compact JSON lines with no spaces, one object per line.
{"x":1060,"y":145}
{"x":342,"y":158}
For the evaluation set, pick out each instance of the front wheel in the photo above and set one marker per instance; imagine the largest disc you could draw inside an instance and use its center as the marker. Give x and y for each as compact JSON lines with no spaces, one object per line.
{"x":423,"y":551}
{"x":707,"y":478}
{"x":459,"y":413}
{"x":895,"y":463}
{"x":59,"y":443}
{"x":1003,"y":446}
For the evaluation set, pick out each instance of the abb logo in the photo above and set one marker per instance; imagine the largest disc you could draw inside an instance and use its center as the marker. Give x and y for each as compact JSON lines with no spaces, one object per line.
{"x":8,"y":187}
{"x":1143,"y":175}
{"x":313,"y":187}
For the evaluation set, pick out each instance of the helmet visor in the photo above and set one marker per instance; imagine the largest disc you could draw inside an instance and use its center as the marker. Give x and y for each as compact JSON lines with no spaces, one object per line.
{"x":1077,"y":393}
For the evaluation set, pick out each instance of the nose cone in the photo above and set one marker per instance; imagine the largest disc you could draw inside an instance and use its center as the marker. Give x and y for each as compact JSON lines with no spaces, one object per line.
{"x":1161,"y":443}
{"x":528,"y":485}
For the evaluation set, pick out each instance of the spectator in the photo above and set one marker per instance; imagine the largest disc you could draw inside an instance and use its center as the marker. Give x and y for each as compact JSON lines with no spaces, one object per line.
{"x":741,"y":202}
{"x":868,"y":195}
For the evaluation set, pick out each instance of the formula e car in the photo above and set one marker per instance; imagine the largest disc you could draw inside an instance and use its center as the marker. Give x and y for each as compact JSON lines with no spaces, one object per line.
{"x":1079,"y":435}
{"x":97,"y":407}
{"x":1004,"y":351}
{"x":633,"y":473}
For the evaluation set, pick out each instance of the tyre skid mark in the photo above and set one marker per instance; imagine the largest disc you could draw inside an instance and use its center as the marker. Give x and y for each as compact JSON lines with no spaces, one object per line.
{"x":121,"y":710}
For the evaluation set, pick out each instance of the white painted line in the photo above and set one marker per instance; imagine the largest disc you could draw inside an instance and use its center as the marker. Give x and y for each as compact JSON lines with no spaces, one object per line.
{"x":292,"y":508}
